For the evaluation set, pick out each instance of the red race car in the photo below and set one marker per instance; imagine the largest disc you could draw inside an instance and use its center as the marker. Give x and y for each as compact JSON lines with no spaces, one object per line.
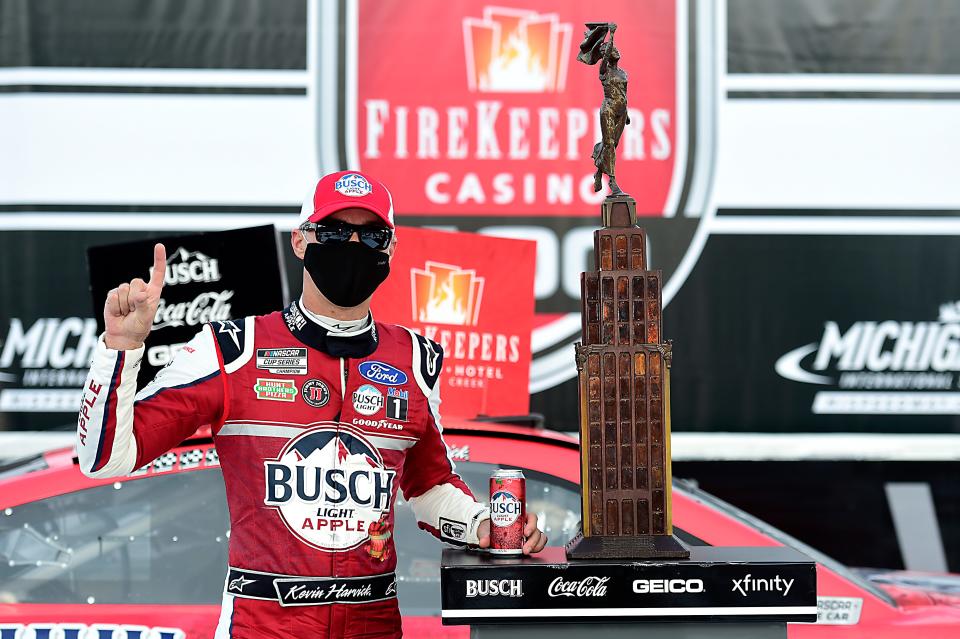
{"x":144,"y":557}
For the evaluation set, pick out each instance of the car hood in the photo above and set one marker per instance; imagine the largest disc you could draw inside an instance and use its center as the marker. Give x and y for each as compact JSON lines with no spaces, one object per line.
{"x":911,"y":588}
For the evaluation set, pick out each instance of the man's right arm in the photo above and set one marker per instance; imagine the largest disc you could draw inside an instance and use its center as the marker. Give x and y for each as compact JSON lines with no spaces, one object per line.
{"x":120,"y":430}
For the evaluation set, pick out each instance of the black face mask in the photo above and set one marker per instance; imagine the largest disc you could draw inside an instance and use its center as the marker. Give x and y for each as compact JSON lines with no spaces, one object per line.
{"x":347,"y":273}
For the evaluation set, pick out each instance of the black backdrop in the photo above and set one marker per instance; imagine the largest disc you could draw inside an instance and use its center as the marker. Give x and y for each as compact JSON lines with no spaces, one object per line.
{"x":749,"y":301}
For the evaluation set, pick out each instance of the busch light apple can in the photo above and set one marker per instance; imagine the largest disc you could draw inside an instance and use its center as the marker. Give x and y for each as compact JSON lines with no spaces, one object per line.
{"x":508,"y":492}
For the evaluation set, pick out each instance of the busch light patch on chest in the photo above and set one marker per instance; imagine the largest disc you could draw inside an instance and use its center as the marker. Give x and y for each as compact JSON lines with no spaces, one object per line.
{"x":367,"y":400}
{"x":382,"y":373}
{"x":331,"y":487}
{"x":283,"y":361}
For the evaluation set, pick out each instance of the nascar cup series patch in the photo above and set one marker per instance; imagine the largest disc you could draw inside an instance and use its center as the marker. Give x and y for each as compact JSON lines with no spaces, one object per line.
{"x":331,"y":488}
{"x":353,"y":185}
{"x":282,"y":361}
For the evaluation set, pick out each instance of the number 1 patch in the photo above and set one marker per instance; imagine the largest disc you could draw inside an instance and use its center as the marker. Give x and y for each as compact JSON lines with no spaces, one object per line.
{"x":396,"y":404}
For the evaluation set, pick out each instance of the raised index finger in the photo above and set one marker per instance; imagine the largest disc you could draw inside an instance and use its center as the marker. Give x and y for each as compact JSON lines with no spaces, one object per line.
{"x":159,"y":266}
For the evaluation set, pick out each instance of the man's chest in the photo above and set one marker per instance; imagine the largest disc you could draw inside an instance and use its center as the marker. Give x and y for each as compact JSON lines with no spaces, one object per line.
{"x":289,"y":384}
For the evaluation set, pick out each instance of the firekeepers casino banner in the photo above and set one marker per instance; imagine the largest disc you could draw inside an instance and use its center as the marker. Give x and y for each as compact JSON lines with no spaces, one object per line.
{"x":466,"y":108}
{"x":474,"y":296}
{"x":480,"y":118}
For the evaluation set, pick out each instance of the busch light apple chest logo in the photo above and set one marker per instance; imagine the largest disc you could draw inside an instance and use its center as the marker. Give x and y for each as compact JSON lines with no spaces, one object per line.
{"x":504,"y":508}
{"x":382,"y":373}
{"x":330,"y":487}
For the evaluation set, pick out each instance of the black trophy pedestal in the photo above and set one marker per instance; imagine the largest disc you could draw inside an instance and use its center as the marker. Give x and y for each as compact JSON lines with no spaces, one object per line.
{"x":754,"y":591}
{"x":626,"y":547}
{"x":631,"y":631}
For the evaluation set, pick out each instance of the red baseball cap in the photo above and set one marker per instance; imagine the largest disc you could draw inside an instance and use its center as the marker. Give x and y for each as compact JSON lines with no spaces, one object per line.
{"x":347,"y":190}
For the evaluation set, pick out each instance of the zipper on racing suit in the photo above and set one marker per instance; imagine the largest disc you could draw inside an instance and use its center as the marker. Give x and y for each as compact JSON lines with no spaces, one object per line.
{"x":344,"y":376}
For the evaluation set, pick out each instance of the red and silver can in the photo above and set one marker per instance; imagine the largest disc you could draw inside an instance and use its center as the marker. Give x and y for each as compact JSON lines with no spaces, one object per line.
{"x":508,"y":494}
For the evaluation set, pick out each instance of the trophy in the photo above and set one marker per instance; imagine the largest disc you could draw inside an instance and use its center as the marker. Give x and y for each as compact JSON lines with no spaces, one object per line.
{"x":623,"y":363}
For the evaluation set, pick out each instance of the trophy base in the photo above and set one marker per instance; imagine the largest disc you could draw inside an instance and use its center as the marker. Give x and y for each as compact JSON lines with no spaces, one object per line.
{"x":618,"y":211}
{"x":626,"y":547}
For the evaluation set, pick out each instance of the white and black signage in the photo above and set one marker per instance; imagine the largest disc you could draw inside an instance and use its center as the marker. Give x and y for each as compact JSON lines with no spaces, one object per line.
{"x":647,"y":586}
{"x":591,"y":586}
{"x":494,"y":588}
{"x":842,"y":334}
{"x":750,"y":584}
{"x":43,"y":363}
{"x":769,"y":584}
{"x":209,"y":277}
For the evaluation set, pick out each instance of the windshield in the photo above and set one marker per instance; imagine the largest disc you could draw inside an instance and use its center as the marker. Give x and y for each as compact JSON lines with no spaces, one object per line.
{"x":691,"y":489}
{"x":159,"y":540}
{"x":162,"y":539}
{"x":22,"y":466}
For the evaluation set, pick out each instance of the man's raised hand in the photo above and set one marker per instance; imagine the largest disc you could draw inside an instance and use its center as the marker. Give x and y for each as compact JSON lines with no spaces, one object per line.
{"x":130,"y":308}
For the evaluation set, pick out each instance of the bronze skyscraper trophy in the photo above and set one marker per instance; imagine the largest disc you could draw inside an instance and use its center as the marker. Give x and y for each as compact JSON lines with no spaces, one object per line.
{"x":622,"y":362}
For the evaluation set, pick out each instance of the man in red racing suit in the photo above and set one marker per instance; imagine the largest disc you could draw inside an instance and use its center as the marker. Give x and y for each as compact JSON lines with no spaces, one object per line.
{"x":320,"y":415}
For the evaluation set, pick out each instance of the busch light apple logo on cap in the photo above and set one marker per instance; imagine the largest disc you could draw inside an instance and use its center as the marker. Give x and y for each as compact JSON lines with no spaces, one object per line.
{"x":353,"y":185}
{"x":329,"y":486}
{"x":382,"y":373}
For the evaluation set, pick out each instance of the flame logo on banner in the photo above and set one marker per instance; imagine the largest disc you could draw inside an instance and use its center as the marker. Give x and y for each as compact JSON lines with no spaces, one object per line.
{"x":516,"y":50}
{"x":446,"y":294}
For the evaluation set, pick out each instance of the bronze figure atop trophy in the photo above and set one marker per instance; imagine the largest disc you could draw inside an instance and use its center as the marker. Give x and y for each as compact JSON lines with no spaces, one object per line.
{"x":613,"y":109}
{"x":622,"y":362}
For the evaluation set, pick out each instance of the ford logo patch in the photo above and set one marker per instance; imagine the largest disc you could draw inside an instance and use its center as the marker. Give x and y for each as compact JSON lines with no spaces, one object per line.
{"x":383,"y":373}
